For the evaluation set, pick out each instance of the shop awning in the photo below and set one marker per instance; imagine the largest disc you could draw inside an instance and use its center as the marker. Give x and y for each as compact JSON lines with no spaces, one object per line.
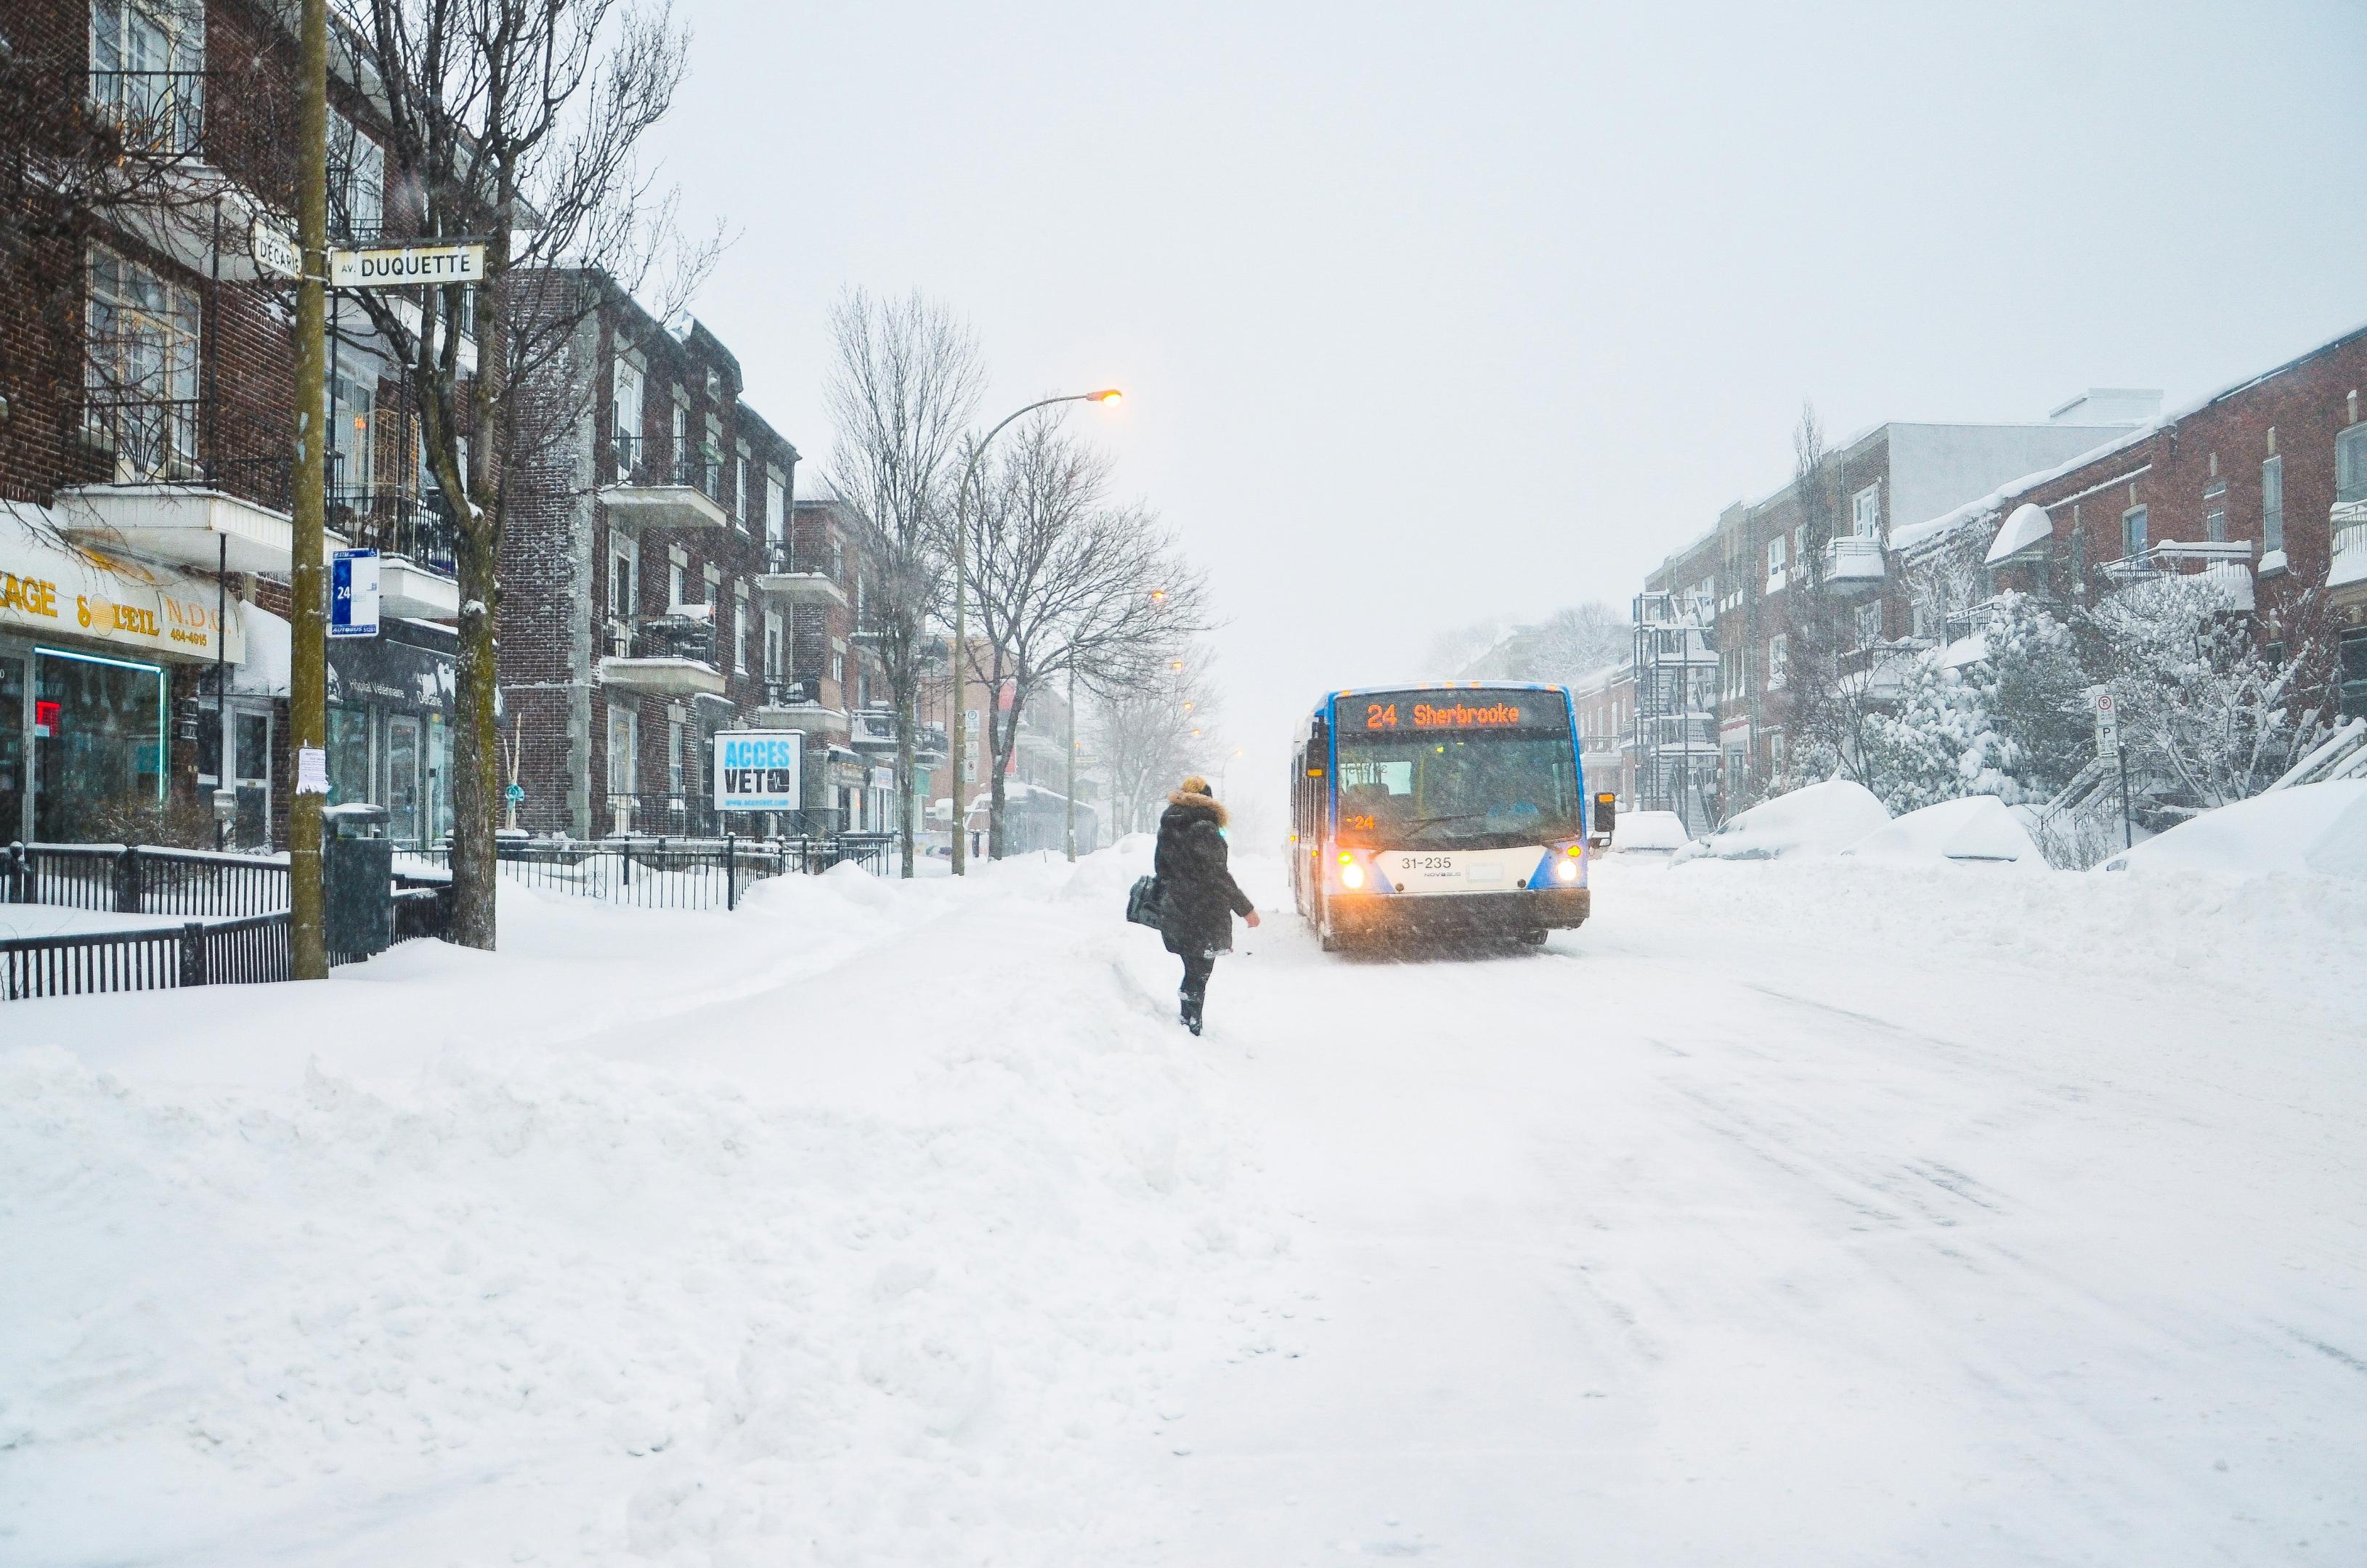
{"x":50,"y":589}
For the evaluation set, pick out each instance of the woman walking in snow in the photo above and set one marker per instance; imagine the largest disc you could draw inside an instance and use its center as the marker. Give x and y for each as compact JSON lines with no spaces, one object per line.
{"x":1197,"y":895}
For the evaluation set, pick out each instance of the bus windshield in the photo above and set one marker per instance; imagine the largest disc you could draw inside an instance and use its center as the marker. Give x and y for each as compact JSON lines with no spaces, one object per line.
{"x":1457,"y":791}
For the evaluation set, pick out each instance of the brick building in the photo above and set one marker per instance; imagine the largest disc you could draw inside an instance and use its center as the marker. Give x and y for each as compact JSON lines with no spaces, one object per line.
{"x":1738,"y":584}
{"x":2260,"y":487}
{"x":146,"y":421}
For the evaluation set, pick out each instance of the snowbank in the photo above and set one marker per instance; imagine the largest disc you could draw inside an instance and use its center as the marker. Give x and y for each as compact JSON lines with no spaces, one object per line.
{"x":653,"y":1237}
{"x":1657,"y":831}
{"x":1821,"y":820}
{"x":1977,"y":828}
{"x":2311,"y":830}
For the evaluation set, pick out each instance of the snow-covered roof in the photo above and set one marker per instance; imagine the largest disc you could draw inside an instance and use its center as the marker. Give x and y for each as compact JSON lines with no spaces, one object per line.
{"x":2027,"y":526}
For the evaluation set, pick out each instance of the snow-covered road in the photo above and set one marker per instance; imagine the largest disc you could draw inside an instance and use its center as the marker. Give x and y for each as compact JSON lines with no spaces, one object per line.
{"x":1811,"y":1213}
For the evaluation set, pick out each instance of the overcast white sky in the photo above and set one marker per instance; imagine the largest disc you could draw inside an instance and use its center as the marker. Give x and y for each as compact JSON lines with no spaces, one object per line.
{"x":1429,"y":313}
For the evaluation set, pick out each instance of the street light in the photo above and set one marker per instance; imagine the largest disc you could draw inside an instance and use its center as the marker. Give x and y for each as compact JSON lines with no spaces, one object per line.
{"x":954,"y":735}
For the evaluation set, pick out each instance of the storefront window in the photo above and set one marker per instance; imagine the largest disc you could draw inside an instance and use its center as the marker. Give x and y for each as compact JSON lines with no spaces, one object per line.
{"x":439,"y":777}
{"x":98,"y":740}
{"x":349,"y":769}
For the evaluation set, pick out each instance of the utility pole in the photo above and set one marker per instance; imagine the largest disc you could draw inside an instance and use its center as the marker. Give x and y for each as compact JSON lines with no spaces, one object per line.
{"x":1073,"y":759}
{"x":308,"y":686}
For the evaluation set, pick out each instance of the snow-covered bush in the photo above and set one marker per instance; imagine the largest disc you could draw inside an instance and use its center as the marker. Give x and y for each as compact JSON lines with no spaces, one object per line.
{"x":2207,"y":720}
{"x":1937,"y":744}
{"x":2035,"y":696}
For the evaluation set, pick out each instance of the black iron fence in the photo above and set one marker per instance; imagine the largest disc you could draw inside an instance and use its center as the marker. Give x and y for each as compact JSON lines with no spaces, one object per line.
{"x":253,"y":950}
{"x":663,"y":872}
{"x":128,"y":879}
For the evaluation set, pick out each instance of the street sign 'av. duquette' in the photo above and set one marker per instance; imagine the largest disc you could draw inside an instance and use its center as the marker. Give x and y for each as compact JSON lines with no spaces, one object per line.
{"x":408,"y":265}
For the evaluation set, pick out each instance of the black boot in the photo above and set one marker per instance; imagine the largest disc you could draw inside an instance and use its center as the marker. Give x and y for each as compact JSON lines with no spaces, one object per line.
{"x":1192,"y":1002}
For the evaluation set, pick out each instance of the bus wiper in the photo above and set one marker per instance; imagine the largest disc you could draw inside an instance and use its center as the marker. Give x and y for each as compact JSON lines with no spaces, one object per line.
{"x":1428,"y":821}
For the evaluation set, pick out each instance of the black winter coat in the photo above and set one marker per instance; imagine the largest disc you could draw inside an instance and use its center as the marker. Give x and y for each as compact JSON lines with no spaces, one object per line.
{"x":1197,"y":895}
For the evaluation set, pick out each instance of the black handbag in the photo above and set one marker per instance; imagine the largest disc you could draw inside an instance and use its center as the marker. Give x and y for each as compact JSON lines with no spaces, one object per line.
{"x":1142,"y":902}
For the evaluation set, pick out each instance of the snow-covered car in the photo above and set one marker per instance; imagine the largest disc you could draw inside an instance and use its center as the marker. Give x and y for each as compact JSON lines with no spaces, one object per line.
{"x":1821,"y":820}
{"x":1976,"y":828}
{"x":1650,"y":832}
{"x":2316,"y":830}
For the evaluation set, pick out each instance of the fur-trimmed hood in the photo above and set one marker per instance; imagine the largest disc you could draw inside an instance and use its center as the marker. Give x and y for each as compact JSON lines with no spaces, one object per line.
{"x":1207,"y":802}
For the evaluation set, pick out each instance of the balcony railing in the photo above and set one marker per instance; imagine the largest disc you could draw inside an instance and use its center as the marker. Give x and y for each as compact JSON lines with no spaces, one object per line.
{"x":397,"y":521}
{"x":132,"y":439}
{"x":2347,"y":555}
{"x":1853,"y":560}
{"x":157,"y":114}
{"x":670,"y":637}
{"x":2172,"y":558}
{"x":803,"y":691}
{"x":647,"y":460}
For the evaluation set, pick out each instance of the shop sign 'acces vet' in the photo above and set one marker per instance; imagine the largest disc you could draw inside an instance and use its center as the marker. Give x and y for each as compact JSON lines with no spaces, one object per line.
{"x":759,"y":770}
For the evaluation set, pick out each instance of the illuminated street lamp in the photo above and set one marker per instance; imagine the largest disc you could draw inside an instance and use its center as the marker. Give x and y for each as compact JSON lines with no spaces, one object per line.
{"x":961,"y":612}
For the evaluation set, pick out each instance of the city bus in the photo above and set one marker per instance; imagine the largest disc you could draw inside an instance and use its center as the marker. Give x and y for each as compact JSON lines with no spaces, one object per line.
{"x":1450,"y":809}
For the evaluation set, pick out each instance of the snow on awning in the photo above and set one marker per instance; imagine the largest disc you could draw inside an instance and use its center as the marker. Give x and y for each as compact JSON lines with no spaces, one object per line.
{"x":2027,"y":526}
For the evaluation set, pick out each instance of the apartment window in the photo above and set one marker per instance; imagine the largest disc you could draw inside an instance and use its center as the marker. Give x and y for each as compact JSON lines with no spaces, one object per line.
{"x":626,"y":423}
{"x":2351,"y":465}
{"x":621,"y":738}
{"x":141,"y":368}
{"x":1779,"y":649}
{"x":676,"y":585}
{"x":739,"y":488}
{"x":1869,"y":623}
{"x":147,"y":71}
{"x":772,"y":645}
{"x":838,"y":665}
{"x":347,"y":402}
{"x":1775,"y":558}
{"x":357,"y":180}
{"x":739,"y":633}
{"x":622,"y":573}
{"x":1865,"y":512}
{"x":2272,"y":504}
{"x":776,"y":507}
{"x":674,"y":756}
{"x":2133,"y":531}
{"x":711,"y":454}
{"x":680,"y":455}
{"x":2215,"y":524}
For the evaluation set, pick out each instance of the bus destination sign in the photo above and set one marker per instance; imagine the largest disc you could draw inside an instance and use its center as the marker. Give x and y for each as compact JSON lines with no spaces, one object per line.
{"x":1413,"y":710}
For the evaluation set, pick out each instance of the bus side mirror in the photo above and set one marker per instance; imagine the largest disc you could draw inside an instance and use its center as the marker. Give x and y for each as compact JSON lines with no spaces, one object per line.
{"x":1606,"y":813}
{"x":1319,"y":746}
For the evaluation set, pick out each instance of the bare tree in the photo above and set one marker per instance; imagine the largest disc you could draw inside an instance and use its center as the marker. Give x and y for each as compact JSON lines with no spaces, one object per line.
{"x":1452,"y":651}
{"x":1064,"y":586}
{"x":906,"y":381}
{"x":518,"y":121}
{"x":1825,"y":712}
{"x":1150,"y":733}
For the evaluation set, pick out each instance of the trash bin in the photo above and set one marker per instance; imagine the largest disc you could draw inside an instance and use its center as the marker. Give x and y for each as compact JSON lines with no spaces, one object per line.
{"x":357,"y":880}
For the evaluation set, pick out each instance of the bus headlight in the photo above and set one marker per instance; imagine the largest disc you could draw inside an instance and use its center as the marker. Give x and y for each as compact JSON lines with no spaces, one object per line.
{"x":1352,"y":875}
{"x":1565,"y":871}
